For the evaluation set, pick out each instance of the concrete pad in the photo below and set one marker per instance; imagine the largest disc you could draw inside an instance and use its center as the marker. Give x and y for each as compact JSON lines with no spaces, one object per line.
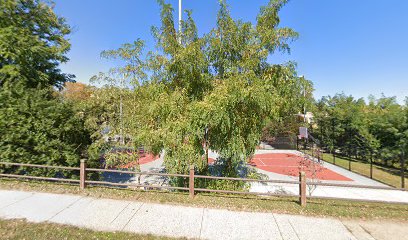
{"x":223,"y":224}
{"x":125,"y":215}
{"x":10,"y":197}
{"x":386,"y":230}
{"x":39,"y":207}
{"x":70,"y":214}
{"x":339,"y":192}
{"x":286,"y":228}
{"x":166,"y":220}
{"x":309,"y":228}
{"x":355,"y":228}
{"x":92,"y":213}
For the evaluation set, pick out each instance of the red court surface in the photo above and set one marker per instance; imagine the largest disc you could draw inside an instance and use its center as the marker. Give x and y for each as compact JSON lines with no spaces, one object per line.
{"x":290,"y":165}
{"x":142,"y":160}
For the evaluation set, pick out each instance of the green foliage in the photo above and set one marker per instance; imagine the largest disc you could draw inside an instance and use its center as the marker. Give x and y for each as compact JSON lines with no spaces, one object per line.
{"x":35,"y":125}
{"x":37,"y":128}
{"x":117,"y":158}
{"x":99,"y":111}
{"x":32,"y":44}
{"x":220,"y":83}
{"x":379,"y":127}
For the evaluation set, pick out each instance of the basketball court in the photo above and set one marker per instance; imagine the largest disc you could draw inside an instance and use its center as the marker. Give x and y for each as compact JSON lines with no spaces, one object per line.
{"x":146,"y":158}
{"x":290,"y":164}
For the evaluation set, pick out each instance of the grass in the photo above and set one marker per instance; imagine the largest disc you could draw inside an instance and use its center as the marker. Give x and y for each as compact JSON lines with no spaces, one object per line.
{"x":363,"y":168}
{"x":21,"y":229}
{"x":315,"y":207}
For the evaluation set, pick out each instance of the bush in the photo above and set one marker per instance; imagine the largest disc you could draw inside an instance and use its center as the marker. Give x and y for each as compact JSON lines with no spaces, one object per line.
{"x":37,"y":128}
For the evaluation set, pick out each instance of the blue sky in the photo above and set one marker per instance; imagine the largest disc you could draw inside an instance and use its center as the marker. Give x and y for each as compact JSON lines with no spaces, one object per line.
{"x":358,"y":47}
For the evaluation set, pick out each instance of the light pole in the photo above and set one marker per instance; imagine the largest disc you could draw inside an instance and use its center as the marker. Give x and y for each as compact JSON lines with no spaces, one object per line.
{"x":179,"y":26}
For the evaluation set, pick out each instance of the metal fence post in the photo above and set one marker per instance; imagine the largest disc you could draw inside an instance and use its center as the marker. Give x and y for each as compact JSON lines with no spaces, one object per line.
{"x":334,"y":156}
{"x":304,"y":144}
{"x":297,"y":143}
{"x":191,"y":181}
{"x":302,"y":189}
{"x":82,"y":174}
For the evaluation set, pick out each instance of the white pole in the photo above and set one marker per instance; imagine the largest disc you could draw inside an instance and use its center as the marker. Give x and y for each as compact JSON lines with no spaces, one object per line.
{"x":179,"y":28}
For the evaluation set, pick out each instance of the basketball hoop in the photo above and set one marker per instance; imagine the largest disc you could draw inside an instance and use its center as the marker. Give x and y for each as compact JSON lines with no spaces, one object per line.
{"x":303,"y":133}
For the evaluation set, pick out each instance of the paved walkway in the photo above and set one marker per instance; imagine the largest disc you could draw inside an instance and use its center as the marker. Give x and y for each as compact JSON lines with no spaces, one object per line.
{"x":175,"y":221}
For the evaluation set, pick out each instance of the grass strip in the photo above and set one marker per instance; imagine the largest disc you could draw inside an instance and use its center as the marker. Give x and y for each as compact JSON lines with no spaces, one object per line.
{"x":21,"y":229}
{"x":380,"y":174}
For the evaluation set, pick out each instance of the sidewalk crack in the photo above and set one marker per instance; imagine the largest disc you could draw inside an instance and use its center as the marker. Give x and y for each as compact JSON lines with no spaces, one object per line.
{"x":293,"y":228}
{"x":201,"y":225}
{"x":277,"y":225}
{"x":365,"y":230}
{"x":65,"y":208}
{"x":32,"y":194}
{"x":141,"y":205}
{"x":120,"y":212}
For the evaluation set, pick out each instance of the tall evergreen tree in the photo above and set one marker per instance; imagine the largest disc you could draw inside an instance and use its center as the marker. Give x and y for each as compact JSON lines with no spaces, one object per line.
{"x":35,"y":125}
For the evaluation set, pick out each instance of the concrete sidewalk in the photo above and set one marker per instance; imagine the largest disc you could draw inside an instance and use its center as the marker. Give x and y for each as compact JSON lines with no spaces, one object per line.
{"x":170,"y":220}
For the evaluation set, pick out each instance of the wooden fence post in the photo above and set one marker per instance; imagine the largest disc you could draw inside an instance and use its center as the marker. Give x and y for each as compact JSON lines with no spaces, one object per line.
{"x":191,"y":181}
{"x":402,"y":169}
{"x":82,"y":174}
{"x":302,"y":189}
{"x":371,"y":165}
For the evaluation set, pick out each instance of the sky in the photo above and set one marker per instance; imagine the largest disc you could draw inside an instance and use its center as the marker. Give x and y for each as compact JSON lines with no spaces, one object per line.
{"x":359,"y":47}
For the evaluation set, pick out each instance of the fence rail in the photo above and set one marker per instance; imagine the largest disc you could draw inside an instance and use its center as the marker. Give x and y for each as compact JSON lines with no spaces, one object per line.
{"x":302,"y":182}
{"x":39,"y":166}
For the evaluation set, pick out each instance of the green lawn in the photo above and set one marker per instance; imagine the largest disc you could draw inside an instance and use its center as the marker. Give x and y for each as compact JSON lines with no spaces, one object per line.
{"x":379,"y":173}
{"x":332,"y":208}
{"x":21,"y":229}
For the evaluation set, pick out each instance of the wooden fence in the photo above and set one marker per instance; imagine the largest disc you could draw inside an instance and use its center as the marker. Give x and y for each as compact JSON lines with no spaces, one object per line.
{"x":302,"y":182}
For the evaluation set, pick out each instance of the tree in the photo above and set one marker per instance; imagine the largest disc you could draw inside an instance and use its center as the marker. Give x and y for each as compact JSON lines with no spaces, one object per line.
{"x":98,"y":108}
{"x":36,"y":126}
{"x":33,"y":42}
{"x":343,"y":124}
{"x":352,"y":126}
{"x":389,"y":125}
{"x":76,"y":92}
{"x":215,"y":91}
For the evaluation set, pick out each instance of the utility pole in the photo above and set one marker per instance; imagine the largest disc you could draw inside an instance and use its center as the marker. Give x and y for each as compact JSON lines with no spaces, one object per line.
{"x":180,"y":10}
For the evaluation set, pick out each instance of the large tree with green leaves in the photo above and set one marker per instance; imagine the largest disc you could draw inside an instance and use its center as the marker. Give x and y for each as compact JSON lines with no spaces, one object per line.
{"x":36,"y":126}
{"x":216,"y":91}
{"x":33,"y":42}
{"x":354,"y":127}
